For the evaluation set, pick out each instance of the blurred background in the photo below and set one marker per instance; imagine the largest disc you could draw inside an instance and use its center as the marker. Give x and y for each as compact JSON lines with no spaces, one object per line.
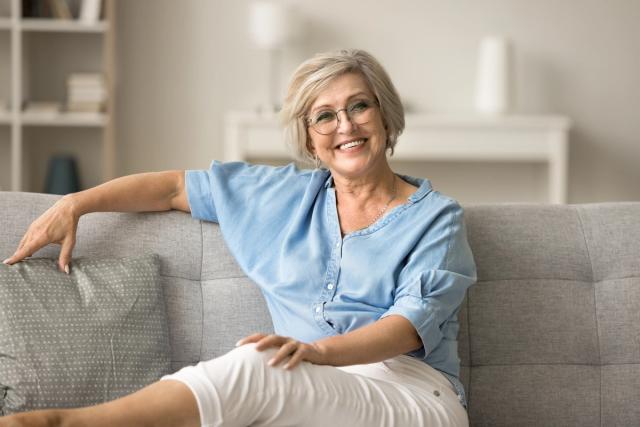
{"x":180,"y":69}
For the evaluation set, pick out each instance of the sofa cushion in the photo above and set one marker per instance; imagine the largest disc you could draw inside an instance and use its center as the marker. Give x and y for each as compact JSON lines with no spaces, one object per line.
{"x":80,"y":339}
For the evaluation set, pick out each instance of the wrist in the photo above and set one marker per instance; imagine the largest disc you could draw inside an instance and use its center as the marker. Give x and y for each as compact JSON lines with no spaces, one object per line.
{"x":72,"y":205}
{"x":324,"y":352}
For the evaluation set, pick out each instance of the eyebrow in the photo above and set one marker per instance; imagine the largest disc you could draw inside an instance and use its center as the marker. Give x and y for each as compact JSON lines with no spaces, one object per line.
{"x":348,"y":99}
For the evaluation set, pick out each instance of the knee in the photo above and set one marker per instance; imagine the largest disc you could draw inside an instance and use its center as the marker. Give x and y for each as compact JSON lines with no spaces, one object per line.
{"x":248,"y":355}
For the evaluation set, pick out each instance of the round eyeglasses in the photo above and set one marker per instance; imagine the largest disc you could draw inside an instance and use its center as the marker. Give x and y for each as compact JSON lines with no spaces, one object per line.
{"x":359,"y":112}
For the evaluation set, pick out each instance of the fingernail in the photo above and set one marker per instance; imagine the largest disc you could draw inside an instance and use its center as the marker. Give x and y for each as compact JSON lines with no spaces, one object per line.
{"x":66,"y":268}
{"x":286,"y":366}
{"x":238,"y":343}
{"x":272,"y":362}
{"x":6,"y":261}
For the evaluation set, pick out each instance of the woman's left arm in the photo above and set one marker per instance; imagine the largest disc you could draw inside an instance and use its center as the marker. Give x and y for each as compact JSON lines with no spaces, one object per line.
{"x":381,"y":340}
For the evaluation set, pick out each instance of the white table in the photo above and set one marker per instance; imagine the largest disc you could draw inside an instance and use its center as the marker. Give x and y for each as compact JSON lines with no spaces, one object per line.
{"x":464,"y":138}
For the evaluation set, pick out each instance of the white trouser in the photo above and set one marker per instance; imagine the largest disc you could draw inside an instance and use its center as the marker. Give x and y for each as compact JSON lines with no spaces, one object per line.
{"x":240,"y":389}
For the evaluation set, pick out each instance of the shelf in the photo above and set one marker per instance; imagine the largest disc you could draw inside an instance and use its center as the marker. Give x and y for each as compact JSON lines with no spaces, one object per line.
{"x":65,"y":119}
{"x":434,"y":138}
{"x":61,"y":25}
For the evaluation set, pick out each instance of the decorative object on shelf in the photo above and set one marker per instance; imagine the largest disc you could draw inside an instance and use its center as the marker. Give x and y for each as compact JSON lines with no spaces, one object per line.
{"x":272,"y":27}
{"x":62,"y":175}
{"x":60,"y":9}
{"x":494,"y":86}
{"x":90,"y":11}
{"x":86,"y":93}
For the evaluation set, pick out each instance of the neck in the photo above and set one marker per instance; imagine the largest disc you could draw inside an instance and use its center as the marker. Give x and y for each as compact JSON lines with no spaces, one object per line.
{"x":380,"y":185}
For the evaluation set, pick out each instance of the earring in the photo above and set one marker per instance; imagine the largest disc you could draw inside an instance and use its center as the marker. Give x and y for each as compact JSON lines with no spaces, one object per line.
{"x":316,"y":161}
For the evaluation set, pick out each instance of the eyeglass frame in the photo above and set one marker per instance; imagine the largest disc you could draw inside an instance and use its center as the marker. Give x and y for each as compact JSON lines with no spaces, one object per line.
{"x":374,"y":104}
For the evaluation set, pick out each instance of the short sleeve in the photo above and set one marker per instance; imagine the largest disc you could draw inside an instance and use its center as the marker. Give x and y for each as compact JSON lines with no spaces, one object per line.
{"x":432,"y":284}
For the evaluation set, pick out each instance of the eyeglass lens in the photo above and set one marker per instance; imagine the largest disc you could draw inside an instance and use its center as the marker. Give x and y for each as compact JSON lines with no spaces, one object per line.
{"x":326,"y":121}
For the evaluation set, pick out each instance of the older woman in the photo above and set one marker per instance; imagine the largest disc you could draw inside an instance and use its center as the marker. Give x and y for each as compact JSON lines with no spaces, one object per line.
{"x":363,"y":270}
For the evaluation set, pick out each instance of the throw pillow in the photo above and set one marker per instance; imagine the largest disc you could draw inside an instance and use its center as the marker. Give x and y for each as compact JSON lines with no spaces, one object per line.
{"x":80,"y":339}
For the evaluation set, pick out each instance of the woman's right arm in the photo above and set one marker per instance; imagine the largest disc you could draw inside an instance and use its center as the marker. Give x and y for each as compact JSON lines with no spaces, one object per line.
{"x":156,"y":191}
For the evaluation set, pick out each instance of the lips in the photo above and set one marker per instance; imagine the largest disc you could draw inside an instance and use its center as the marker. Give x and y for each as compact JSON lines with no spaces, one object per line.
{"x":351,"y":144}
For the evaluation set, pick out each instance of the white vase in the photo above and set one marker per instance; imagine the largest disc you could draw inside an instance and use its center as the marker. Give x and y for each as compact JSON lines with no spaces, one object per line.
{"x":494,"y":80}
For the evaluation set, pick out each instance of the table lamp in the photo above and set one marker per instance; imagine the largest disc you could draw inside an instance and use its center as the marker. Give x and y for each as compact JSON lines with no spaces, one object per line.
{"x":271,"y":28}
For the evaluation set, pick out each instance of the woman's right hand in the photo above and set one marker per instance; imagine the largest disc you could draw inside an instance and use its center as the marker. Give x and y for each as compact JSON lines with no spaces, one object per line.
{"x":57,"y":225}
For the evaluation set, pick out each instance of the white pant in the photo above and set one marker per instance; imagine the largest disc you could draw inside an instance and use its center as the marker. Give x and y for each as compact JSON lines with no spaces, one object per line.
{"x":240,"y":389}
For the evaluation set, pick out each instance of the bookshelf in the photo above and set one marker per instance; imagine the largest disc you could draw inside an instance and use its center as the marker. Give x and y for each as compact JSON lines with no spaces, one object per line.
{"x":40,"y":55}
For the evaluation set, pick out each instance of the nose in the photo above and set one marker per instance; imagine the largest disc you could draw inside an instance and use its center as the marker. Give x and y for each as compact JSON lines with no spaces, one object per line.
{"x":345,"y":125}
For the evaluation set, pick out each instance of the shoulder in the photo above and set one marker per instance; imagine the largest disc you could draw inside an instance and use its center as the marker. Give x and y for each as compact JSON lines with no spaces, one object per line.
{"x":429,"y":202}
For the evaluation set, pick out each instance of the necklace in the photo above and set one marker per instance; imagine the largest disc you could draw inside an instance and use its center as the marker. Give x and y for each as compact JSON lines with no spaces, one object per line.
{"x":384,"y":208}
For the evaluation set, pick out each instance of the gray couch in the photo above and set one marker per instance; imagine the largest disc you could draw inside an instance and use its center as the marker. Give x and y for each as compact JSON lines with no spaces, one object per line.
{"x":550,"y":333}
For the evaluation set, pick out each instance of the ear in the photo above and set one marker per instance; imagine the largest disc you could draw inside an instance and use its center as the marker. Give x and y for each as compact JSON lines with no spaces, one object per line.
{"x":310,"y":146}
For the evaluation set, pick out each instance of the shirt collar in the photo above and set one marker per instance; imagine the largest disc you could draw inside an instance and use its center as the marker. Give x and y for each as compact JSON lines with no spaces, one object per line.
{"x":424,"y":186}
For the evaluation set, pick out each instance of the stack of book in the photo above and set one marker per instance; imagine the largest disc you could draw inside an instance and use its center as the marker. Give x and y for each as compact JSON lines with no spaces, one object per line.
{"x":42,"y":109}
{"x":86,"y":93}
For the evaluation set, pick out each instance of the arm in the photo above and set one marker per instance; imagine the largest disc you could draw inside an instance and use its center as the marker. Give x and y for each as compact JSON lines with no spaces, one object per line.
{"x":145,"y":192}
{"x":135,"y":193}
{"x":381,"y":340}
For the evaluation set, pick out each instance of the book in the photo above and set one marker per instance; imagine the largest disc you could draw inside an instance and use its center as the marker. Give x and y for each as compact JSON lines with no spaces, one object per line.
{"x":90,"y":11}
{"x":60,"y":9}
{"x":42,"y":107}
{"x":82,"y":79}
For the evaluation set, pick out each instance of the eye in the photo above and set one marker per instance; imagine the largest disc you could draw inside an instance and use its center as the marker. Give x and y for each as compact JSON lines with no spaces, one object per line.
{"x":359,"y":106}
{"x":324,"y":116}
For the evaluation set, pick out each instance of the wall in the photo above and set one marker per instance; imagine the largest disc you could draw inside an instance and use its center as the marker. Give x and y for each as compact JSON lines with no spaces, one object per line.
{"x":183,"y":64}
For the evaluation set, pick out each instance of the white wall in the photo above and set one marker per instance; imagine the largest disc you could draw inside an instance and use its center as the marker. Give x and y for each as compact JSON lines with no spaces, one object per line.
{"x":183,"y":64}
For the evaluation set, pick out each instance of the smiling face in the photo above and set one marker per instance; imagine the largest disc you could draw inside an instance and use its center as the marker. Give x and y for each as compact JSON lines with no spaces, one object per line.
{"x":353,"y":150}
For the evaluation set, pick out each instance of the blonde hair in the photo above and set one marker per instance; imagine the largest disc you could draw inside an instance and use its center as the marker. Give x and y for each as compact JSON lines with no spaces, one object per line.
{"x":315,"y":74}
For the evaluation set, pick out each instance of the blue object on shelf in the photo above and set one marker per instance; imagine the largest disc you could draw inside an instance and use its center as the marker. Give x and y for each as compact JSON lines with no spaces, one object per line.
{"x":62,"y":175}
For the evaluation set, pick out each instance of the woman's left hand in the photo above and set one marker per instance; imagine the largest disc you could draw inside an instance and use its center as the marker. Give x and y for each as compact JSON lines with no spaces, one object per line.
{"x":298,"y":351}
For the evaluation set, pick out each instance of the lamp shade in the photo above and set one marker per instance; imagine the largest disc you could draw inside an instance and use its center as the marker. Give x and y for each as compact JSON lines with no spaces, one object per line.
{"x":270,"y":24}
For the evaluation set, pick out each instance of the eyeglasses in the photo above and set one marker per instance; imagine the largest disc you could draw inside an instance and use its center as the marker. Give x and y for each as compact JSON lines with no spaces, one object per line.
{"x":359,"y":112}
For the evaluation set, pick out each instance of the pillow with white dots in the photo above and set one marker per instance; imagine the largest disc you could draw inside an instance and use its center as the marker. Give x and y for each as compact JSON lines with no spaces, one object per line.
{"x":80,"y":339}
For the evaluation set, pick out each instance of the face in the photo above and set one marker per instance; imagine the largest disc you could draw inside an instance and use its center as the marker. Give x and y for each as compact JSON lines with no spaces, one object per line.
{"x":352,"y":150}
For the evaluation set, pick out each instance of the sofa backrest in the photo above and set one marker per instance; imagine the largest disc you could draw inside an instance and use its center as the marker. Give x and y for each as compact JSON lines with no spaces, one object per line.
{"x":549,"y":334}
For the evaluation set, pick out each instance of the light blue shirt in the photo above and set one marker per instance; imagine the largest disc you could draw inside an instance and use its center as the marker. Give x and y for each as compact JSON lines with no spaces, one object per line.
{"x":281,"y":225}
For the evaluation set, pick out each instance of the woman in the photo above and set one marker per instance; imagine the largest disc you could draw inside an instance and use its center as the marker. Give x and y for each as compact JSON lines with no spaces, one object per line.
{"x":363,"y":271}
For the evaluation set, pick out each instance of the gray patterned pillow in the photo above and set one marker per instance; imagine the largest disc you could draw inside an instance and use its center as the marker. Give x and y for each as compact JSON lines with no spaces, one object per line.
{"x":77,"y":340}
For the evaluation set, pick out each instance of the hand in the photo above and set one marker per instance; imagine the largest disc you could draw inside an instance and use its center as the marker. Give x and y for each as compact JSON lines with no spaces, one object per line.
{"x":57,"y":225}
{"x":298,"y":351}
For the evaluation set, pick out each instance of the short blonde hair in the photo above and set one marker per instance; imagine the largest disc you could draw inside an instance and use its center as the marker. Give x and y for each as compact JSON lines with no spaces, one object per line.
{"x":315,"y":74}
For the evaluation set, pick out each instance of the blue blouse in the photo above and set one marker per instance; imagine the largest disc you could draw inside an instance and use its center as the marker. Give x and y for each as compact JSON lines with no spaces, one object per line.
{"x":281,"y":225}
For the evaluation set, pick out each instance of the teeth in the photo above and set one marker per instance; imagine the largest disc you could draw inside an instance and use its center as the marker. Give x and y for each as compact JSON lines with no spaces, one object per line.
{"x":351,"y":144}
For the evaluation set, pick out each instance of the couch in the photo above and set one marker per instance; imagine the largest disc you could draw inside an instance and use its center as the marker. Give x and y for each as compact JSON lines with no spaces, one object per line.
{"x":549,"y":334}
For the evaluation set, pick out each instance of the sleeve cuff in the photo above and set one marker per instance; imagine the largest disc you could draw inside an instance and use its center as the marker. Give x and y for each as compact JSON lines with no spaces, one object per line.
{"x":423,"y":317}
{"x":199,"y":195}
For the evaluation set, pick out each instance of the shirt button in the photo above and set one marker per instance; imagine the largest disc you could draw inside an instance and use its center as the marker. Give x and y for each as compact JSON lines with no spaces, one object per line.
{"x":338,"y":245}
{"x":436,"y":393}
{"x":318,"y":309}
{"x":330,"y":286}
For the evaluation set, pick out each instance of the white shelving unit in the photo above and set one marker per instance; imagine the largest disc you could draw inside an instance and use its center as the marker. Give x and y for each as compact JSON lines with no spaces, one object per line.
{"x":434,"y":138}
{"x":65,"y":47}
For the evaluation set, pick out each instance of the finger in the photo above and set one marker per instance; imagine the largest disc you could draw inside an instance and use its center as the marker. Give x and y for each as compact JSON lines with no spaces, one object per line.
{"x":285,"y":351}
{"x":249,"y":339}
{"x":65,"y":254}
{"x":19,"y":255}
{"x":295,"y":359}
{"x":271,"y":341}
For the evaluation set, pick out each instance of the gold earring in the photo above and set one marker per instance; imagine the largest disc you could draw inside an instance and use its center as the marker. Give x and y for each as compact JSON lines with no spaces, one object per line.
{"x":316,"y":161}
